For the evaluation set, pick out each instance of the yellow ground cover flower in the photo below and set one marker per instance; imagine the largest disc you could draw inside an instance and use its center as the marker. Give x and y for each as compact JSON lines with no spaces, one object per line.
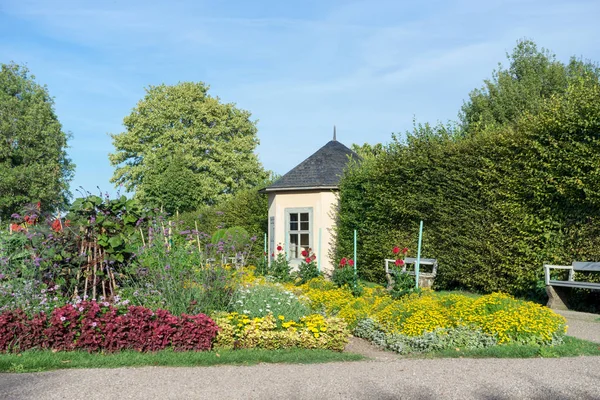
{"x":497,"y":313}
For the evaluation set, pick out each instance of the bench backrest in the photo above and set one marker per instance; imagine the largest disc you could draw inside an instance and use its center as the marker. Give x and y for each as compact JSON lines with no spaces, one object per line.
{"x":413,"y":260}
{"x":586,"y":266}
{"x":422,"y":261}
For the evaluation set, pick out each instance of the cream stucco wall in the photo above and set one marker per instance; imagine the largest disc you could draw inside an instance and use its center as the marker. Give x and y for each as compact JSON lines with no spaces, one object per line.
{"x":321,"y":203}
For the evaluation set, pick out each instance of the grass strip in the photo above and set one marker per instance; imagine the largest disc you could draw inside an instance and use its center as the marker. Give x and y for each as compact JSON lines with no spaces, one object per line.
{"x":45,"y":360}
{"x":572,"y":347}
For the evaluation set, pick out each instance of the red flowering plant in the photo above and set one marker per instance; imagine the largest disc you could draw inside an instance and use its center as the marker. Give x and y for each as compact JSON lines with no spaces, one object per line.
{"x":279,"y":267}
{"x":403,"y":282}
{"x":399,"y":255}
{"x":308,"y":268}
{"x":343,"y":275}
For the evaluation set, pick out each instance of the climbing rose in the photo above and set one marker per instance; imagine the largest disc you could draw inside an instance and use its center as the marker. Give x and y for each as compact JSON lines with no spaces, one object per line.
{"x":279,"y":248}
{"x":396,"y":250}
{"x":304,"y":253}
{"x":343,"y":261}
{"x":405,"y":250}
{"x":399,"y":263}
{"x":351,"y":262}
{"x":308,"y":260}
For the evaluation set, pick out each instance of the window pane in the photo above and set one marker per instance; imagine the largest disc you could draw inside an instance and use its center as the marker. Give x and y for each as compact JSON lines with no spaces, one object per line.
{"x":304,"y":221}
{"x":293,"y":246}
{"x":304,"y":240}
{"x":293,"y":222}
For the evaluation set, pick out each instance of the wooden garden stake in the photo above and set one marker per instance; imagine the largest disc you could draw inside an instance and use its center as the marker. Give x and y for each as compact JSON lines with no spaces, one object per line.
{"x":417,"y":265}
{"x":77,"y":283}
{"x":86,"y":273}
{"x":197,"y":236}
{"x":114,"y":283}
{"x":142,"y":233}
{"x":94,"y":276}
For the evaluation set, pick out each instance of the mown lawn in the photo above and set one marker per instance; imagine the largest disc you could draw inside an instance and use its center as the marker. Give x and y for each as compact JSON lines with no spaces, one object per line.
{"x":45,"y":360}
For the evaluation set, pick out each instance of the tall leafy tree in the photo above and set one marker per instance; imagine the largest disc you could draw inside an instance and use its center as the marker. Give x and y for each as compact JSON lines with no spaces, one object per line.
{"x":34,"y":166}
{"x":532,"y":76}
{"x":183,"y":148}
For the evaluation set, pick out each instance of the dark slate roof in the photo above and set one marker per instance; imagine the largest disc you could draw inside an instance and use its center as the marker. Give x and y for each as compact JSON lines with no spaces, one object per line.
{"x":322,"y":170}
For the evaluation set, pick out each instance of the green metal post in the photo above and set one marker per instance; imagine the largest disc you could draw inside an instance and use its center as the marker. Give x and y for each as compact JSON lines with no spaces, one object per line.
{"x":265,"y":250}
{"x":319,"y":250}
{"x":355,"y":274}
{"x":417,"y":265}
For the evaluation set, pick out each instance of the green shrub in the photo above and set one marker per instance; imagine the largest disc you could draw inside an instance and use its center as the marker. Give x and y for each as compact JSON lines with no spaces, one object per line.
{"x":344,"y":276}
{"x":307,"y":271}
{"x":404,"y":284}
{"x":280,"y":268}
{"x":247,"y":209}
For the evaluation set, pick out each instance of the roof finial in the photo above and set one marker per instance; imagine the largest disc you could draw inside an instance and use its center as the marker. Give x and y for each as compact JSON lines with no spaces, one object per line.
{"x":334,"y":139}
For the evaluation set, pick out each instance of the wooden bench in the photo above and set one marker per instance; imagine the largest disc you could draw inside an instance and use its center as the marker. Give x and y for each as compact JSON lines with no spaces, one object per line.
{"x":557,"y":298}
{"x":425,"y":278}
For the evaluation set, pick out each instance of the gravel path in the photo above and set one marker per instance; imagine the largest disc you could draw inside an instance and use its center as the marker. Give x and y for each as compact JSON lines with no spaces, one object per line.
{"x":564,"y":378}
{"x":582,"y":325}
{"x":385,"y":376}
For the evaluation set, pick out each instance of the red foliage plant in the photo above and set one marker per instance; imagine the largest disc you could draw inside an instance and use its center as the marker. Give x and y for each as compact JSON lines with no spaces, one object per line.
{"x":93,"y":326}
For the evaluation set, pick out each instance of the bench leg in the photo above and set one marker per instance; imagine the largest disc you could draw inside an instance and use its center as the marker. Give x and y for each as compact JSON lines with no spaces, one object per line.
{"x":557,"y":298}
{"x":426,"y":282}
{"x":390,"y":285}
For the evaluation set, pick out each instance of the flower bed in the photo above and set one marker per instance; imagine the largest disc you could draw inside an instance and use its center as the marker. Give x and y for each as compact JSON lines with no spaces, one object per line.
{"x":93,"y":327}
{"x":507,"y":319}
{"x":270,"y":332}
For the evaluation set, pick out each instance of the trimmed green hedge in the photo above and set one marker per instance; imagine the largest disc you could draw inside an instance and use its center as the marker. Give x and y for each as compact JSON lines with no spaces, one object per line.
{"x":496,"y":204}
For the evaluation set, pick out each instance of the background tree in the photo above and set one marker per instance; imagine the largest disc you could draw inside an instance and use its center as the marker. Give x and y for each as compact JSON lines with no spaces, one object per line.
{"x":183,"y":149}
{"x":34,"y":166}
{"x":532,"y":76}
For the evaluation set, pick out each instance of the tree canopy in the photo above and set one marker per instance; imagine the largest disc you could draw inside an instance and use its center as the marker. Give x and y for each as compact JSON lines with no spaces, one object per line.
{"x":532,"y":76}
{"x":34,"y":166}
{"x":183,"y":149}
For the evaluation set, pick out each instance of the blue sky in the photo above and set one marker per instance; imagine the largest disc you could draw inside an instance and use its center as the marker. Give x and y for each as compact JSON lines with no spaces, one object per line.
{"x":300,"y":67}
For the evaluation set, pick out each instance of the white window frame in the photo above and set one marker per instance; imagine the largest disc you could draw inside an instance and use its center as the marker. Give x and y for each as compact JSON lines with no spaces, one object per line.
{"x":288,"y":231}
